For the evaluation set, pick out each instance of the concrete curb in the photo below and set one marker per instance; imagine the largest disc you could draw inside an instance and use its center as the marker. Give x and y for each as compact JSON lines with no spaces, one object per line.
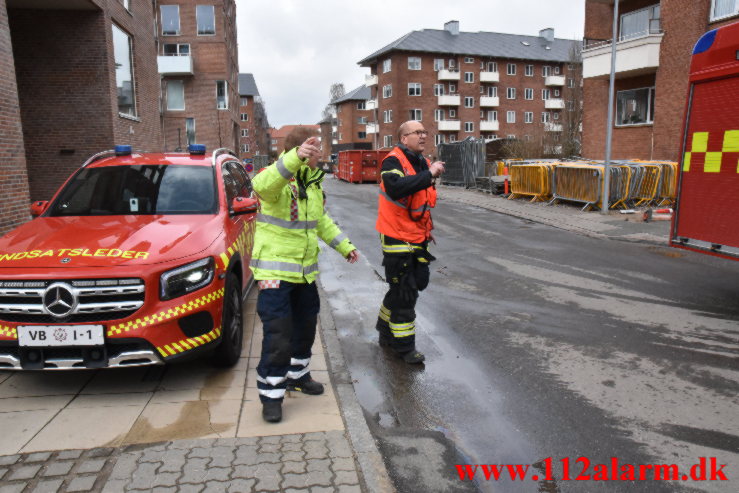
{"x":373,"y":473}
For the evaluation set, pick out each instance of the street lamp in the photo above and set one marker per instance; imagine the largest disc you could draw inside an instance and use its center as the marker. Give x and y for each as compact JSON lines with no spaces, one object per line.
{"x":609,"y":124}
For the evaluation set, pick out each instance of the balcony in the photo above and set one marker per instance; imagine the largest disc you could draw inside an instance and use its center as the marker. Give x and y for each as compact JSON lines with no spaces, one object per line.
{"x":634,"y":56}
{"x":445,"y":74}
{"x":489,"y":126}
{"x":370,"y":80}
{"x":373,"y":128}
{"x":335,"y":141}
{"x":448,"y":125}
{"x":554,"y":80}
{"x":448,"y":100}
{"x":175,"y":65}
{"x":554,"y":104}
{"x":334,"y":129}
{"x":552,"y":127}
{"x":489,"y":102}
{"x":371,"y":104}
{"x":489,"y":77}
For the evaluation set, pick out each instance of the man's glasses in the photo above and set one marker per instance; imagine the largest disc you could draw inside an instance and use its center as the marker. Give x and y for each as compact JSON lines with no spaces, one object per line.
{"x":420,"y":133}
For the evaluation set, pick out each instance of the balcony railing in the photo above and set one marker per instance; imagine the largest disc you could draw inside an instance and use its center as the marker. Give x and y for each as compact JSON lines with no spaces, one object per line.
{"x":554,"y":104}
{"x":489,"y":102}
{"x":370,"y":80}
{"x":448,"y":125}
{"x":489,"y":126}
{"x":554,"y":80}
{"x":371,"y":104}
{"x":175,"y":65}
{"x":489,"y":76}
{"x":373,"y":128}
{"x":552,"y":127}
{"x":636,"y":55}
{"x":448,"y":100}
{"x":445,"y":74}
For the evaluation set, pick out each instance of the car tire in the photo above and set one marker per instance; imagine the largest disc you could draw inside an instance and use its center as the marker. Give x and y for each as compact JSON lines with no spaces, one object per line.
{"x":228,"y":352}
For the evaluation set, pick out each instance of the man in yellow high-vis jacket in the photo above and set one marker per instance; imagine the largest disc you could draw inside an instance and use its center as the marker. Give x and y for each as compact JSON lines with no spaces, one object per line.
{"x":285,"y":265}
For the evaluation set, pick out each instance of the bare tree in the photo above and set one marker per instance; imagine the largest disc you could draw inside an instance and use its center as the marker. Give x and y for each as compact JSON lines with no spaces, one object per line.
{"x":571,"y":140}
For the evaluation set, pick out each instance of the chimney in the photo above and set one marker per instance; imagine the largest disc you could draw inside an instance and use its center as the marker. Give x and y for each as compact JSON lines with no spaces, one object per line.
{"x":452,"y":27}
{"x":547,"y":34}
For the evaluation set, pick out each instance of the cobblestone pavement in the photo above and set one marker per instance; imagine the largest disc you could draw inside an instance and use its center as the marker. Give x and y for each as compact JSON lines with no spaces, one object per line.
{"x":311,"y":462}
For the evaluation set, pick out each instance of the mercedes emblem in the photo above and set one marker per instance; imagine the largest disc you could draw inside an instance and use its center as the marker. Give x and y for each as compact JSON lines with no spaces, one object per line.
{"x":59,"y":300}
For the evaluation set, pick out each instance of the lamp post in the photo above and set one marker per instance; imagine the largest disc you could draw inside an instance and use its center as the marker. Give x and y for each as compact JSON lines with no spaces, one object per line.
{"x":609,"y":124}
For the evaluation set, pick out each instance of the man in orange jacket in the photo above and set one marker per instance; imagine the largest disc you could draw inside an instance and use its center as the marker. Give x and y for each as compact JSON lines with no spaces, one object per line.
{"x":407,"y":195}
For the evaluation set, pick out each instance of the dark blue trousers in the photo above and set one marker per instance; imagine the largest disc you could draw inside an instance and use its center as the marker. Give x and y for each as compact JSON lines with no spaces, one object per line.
{"x":289,"y":315}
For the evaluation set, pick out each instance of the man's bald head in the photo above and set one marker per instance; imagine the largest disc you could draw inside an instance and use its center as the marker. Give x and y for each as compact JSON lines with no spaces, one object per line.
{"x":408,"y":135}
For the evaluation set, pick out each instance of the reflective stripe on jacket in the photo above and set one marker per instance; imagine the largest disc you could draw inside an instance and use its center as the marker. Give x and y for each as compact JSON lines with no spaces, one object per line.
{"x":407,"y":219}
{"x":288,"y":225}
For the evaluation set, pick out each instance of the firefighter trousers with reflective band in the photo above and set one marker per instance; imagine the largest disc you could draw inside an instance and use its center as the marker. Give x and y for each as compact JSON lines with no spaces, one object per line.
{"x":406,"y":274}
{"x":289,"y":314}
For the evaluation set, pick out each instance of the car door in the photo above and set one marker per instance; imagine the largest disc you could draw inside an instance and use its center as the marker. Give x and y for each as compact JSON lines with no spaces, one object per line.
{"x":241,"y":236}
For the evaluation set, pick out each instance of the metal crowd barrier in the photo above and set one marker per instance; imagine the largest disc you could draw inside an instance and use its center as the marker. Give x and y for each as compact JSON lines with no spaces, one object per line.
{"x":578,"y":182}
{"x":464,"y":161}
{"x":531,"y":179}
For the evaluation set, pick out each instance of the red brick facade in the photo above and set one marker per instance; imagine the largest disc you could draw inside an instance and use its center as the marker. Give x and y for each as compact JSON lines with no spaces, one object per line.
{"x":253,"y":123}
{"x":350,"y":131}
{"x":683,"y":22}
{"x":14,"y":196}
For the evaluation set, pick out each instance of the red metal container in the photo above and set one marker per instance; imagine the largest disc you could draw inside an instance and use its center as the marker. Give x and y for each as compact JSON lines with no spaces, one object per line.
{"x":360,"y":166}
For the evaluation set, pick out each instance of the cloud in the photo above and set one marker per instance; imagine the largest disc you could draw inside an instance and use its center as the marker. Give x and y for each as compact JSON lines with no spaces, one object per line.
{"x":297,"y":49}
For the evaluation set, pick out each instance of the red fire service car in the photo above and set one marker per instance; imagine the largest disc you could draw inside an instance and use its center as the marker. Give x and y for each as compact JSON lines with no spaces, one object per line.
{"x":138,"y":259}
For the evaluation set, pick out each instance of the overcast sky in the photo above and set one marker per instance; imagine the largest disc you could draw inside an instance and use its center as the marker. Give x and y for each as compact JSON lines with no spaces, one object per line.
{"x":296,"y":48}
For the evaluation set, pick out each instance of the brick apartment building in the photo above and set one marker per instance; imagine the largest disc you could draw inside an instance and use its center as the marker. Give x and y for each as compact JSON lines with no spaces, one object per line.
{"x":654,"y":46}
{"x":198,"y":61}
{"x":352,"y":116}
{"x":460,"y":85}
{"x":277,"y":136}
{"x":254,"y":139}
{"x":328,"y":137}
{"x":79,"y":76}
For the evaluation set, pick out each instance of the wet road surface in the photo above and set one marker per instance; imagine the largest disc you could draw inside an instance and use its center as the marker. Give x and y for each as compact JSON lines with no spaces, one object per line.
{"x":541,"y":343}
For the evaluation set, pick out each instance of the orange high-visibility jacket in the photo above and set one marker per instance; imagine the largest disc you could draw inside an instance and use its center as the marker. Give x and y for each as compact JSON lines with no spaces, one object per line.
{"x":407,"y":219}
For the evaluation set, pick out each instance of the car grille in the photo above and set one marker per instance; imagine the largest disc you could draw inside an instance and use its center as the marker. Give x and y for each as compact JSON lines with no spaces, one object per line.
{"x":90,"y":300}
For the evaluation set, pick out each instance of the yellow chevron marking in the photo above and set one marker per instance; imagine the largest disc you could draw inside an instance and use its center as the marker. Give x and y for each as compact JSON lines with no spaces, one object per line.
{"x":189,"y":343}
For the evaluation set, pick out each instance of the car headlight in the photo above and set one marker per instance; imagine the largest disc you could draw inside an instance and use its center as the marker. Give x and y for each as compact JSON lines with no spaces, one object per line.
{"x":185,"y":279}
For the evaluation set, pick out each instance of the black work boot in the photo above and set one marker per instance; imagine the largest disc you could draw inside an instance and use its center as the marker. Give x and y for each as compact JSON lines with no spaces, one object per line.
{"x":309,"y":386}
{"x":272,"y":411}
{"x":413,"y":357}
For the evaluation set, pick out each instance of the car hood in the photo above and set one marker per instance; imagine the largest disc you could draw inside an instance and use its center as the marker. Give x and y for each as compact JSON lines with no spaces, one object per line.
{"x":102,"y":241}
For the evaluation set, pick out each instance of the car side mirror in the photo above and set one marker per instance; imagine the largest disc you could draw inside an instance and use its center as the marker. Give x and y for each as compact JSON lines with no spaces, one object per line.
{"x":244,"y":205}
{"x":38,"y":207}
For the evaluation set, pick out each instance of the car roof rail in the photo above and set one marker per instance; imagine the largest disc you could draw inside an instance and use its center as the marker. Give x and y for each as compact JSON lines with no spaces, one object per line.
{"x":107,"y":153}
{"x":222,"y":150}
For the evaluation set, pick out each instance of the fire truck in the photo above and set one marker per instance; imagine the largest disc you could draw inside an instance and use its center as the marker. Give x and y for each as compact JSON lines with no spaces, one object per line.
{"x":707,"y":212}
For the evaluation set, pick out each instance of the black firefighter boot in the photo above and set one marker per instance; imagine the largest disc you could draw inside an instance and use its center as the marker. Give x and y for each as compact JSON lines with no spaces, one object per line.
{"x":272,"y":411}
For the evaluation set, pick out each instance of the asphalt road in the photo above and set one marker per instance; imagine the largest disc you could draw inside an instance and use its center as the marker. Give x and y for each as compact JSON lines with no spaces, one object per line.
{"x":542,"y":343}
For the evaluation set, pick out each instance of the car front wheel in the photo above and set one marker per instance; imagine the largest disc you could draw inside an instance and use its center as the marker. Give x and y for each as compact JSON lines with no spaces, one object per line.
{"x":228,"y":352}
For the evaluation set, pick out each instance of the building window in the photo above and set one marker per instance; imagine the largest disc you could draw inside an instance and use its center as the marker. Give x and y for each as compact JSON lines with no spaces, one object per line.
{"x":546,"y":70}
{"x":492,"y":116}
{"x":170,"y":20}
{"x":362,"y":105}
{"x":414,"y":63}
{"x":244,"y":117}
{"x":206,"y":20}
{"x":125,"y":84}
{"x":452,"y":137}
{"x":452,"y":63}
{"x":469,"y":77}
{"x":556,"y":70}
{"x":510,"y":136}
{"x":546,"y":117}
{"x":439,"y":139}
{"x":362,"y":135}
{"x":175,"y":95}
{"x":387,"y":141}
{"x":723,"y":8}
{"x":414,"y":88}
{"x":244,"y":132}
{"x":493,"y":91}
{"x":438,"y":115}
{"x":438,"y":89}
{"x":528,"y":117}
{"x":510,"y":117}
{"x":387,"y":91}
{"x":244,"y":101}
{"x":221,"y":94}
{"x":127,"y":4}
{"x":469,"y":102}
{"x":635,"y":106}
{"x":452,"y":88}
{"x":555,"y":115}
{"x":528,"y":93}
{"x":387,"y":116}
{"x":415,"y":114}
{"x":469,"y":127}
{"x":492,"y":66}
{"x":176,"y":49}
{"x":452,"y":113}
{"x":469,"y":59}
{"x":362,"y":120}
{"x":244,"y":147}
{"x":190,"y":130}
{"x":438,"y":64}
{"x":510,"y":93}
{"x":556,"y":93}
{"x":546,"y":94}
{"x":529,"y":71}
{"x":570,"y":83}
{"x":642,"y":22}
{"x":511,"y":69}
{"x":387,"y":65}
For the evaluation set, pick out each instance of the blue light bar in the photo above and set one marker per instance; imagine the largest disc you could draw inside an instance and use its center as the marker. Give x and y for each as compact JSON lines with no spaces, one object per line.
{"x":122,"y":150}
{"x":196,"y":149}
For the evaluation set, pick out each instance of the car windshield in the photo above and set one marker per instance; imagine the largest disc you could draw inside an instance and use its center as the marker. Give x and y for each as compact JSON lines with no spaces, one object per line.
{"x":147,"y":189}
